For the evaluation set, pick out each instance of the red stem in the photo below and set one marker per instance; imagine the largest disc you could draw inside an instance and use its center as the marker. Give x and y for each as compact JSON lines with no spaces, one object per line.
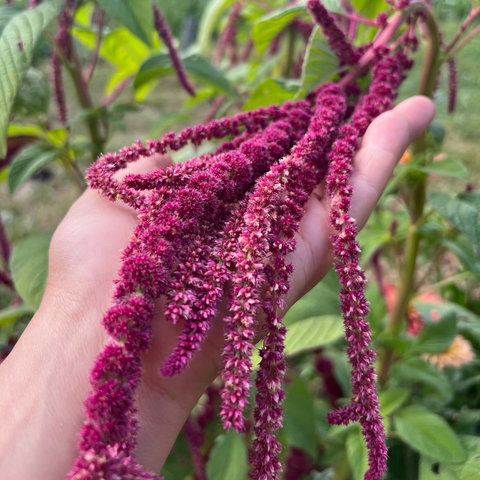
{"x":96,"y":52}
{"x":383,"y":38}
{"x":118,"y":90}
{"x":474,"y":13}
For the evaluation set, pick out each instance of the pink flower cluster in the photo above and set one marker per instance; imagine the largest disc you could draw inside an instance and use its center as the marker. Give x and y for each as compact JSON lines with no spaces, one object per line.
{"x":387,"y":77}
{"x":220,"y":227}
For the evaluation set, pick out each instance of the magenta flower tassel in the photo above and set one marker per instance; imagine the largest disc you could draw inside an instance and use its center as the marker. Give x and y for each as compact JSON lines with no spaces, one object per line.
{"x":166,"y":35}
{"x":100,"y":174}
{"x":199,"y":310}
{"x":364,"y":407}
{"x":337,"y":40}
{"x":278,"y":215}
{"x":227,"y":39}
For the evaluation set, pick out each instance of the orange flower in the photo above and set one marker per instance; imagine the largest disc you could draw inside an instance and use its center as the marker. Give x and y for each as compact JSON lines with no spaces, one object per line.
{"x":459,"y":353}
{"x":406,"y":157}
{"x":415,"y":320}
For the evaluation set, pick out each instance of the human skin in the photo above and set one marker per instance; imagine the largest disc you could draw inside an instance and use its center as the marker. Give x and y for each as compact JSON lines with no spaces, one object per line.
{"x":44,"y":381}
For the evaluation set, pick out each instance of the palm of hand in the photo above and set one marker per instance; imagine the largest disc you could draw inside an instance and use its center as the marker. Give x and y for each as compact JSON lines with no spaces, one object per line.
{"x":85,"y":257}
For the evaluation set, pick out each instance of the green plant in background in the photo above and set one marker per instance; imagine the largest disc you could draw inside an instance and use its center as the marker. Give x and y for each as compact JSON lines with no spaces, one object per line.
{"x":420,"y":246}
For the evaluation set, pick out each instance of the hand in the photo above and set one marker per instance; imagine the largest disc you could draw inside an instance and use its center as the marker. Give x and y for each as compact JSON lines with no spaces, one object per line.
{"x":46,"y":375}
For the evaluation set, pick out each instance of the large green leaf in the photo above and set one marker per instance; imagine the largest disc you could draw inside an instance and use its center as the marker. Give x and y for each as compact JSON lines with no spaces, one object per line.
{"x":466,"y":252}
{"x":469,"y":470}
{"x":429,"y":434}
{"x":228,"y":458}
{"x":136,"y":15}
{"x":321,"y":300}
{"x":268,"y":93}
{"x":392,"y":399}
{"x":153,"y":68}
{"x":445,"y":168}
{"x":196,"y":66}
{"x":435,"y":336}
{"x":299,"y":422}
{"x":27,"y":163}
{"x":463,"y":215}
{"x":269,"y":26}
{"x":201,"y":69}
{"x":312,"y":333}
{"x":210,"y":18}
{"x":33,"y":98}
{"x":320,"y":63}
{"x":17,"y":43}
{"x":417,"y":371}
{"x":6,"y":14}
{"x":357,"y":454}
{"x":30,"y":268}
{"x":12,"y":314}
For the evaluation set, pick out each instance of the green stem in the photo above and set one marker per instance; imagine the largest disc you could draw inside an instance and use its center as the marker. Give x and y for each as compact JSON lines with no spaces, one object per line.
{"x":86,"y":102}
{"x":448,"y":281}
{"x":415,"y":200}
{"x":72,"y":169}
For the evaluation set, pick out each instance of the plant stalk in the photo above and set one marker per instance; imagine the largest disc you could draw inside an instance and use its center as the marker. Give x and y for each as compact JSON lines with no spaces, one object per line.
{"x":416,"y":200}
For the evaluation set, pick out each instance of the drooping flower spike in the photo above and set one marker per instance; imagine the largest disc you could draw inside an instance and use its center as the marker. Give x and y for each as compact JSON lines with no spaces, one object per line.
{"x":345,"y":51}
{"x":387,"y":77}
{"x":228,"y":219}
{"x":166,"y":35}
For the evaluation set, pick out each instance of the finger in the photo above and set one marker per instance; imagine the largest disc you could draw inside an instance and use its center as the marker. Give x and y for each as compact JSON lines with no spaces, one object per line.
{"x":145,"y":165}
{"x":384,"y":143}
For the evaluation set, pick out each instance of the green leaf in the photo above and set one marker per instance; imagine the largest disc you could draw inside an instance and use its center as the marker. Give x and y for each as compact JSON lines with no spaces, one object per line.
{"x":464,"y":216}
{"x":136,"y":15}
{"x":392,"y":399}
{"x":268,"y":93}
{"x":27,"y":163}
{"x":416,"y":370}
{"x":445,"y":168}
{"x":30,"y":268}
{"x":196,"y":66}
{"x":464,"y":249}
{"x":84,"y":15}
{"x":269,"y":26}
{"x":12,"y":314}
{"x":201,"y":69}
{"x":320,"y":63}
{"x":6,"y":14}
{"x":154,"y":67}
{"x":369,"y":8}
{"x":469,"y":470}
{"x":211,"y":15}
{"x":357,"y":454}
{"x":429,"y":434}
{"x":312,"y":333}
{"x":228,"y":458}
{"x":321,"y":300}
{"x":299,"y":421}
{"x":21,"y":130}
{"x":165,"y":122}
{"x":33,"y":97}
{"x":17,"y":43}
{"x":435,"y":336}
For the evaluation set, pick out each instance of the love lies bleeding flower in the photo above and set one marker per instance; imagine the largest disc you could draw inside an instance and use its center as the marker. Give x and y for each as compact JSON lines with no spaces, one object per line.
{"x":219,"y":228}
